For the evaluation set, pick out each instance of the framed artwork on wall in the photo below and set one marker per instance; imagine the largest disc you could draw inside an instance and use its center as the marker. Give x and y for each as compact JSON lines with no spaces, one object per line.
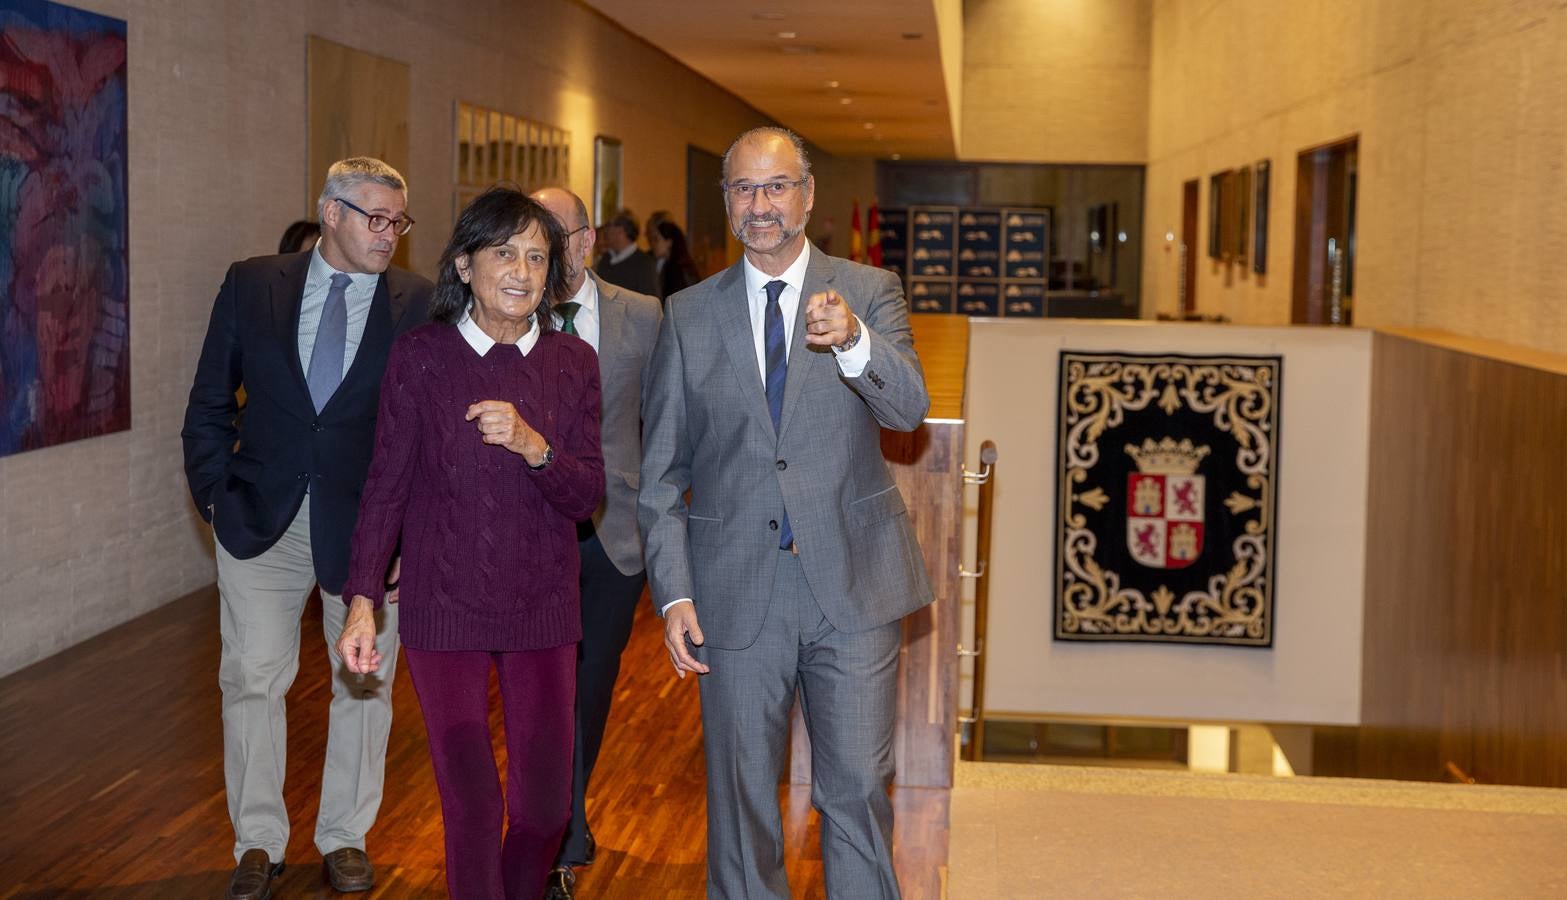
{"x":65,"y":356}
{"x":1216,"y":214}
{"x":1242,"y":204}
{"x":1259,"y":219}
{"x":607,"y":191}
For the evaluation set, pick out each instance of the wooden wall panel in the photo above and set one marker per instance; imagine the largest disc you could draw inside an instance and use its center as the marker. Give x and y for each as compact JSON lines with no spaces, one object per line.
{"x":359,"y":107}
{"x":927,"y":465}
{"x":1466,"y":584}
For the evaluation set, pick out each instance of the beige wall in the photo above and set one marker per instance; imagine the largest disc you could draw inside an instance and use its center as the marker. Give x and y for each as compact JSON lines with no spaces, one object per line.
{"x":98,"y":531}
{"x":1457,"y":104}
{"x":1055,"y":81}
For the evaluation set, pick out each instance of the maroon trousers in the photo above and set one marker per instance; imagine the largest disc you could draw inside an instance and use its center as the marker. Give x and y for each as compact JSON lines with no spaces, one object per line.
{"x":537,"y":687}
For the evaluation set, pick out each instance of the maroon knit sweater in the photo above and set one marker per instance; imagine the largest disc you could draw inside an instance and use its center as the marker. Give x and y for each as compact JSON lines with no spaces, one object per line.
{"x":489,"y":546}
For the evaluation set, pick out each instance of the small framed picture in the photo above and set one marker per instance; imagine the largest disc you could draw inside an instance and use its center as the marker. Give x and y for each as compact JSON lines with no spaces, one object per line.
{"x":606,"y":178}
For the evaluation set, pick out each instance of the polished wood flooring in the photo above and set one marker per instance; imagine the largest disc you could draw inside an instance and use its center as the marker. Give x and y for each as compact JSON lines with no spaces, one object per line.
{"x":111,"y":779}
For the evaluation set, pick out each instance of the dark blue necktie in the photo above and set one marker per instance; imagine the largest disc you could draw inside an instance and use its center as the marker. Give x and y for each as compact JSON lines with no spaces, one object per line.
{"x":777,"y":371}
{"x":326,"y":356}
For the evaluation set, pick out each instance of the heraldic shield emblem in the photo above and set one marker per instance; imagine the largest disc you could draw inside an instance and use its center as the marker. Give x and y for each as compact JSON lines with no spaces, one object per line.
{"x":1166,"y":482}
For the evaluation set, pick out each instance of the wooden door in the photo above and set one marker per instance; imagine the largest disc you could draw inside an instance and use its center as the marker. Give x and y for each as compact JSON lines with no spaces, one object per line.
{"x":1325,"y":187}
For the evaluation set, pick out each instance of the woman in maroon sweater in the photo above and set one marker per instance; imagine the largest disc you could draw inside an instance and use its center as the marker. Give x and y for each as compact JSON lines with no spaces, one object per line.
{"x":486,"y":456}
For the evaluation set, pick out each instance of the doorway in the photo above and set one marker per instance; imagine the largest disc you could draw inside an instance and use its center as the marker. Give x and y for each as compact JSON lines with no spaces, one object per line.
{"x":1187,"y":287}
{"x":1325,"y":186}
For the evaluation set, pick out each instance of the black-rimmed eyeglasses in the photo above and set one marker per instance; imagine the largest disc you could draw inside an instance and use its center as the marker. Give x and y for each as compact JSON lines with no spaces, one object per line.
{"x":379,"y":223}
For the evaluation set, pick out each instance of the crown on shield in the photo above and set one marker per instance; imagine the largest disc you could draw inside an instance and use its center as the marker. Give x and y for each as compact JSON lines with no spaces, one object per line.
{"x":1167,"y":457}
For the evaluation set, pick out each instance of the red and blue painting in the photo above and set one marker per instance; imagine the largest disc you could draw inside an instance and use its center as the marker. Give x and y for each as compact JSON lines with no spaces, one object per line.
{"x":64,"y":234}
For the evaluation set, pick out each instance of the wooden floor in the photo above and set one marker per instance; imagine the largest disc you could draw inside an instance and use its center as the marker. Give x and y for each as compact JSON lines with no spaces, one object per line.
{"x":111,"y":779}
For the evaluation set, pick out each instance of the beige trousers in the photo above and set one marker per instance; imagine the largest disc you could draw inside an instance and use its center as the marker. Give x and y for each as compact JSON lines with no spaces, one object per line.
{"x":262,"y":601}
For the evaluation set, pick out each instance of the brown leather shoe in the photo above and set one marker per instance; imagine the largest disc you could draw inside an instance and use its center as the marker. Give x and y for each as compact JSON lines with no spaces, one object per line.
{"x":348,"y":869}
{"x":252,"y":878}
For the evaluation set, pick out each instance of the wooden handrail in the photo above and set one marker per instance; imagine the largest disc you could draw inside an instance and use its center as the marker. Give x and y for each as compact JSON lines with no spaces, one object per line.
{"x":975,"y":748}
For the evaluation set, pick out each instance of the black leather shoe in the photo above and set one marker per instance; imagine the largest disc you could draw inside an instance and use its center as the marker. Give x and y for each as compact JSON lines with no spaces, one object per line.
{"x":590,"y":849}
{"x":561,"y":884}
{"x":348,"y":869}
{"x":252,"y":878}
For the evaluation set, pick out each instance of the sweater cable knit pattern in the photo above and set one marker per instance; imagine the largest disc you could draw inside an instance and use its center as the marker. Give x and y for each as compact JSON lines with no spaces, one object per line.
{"x":489,"y":546}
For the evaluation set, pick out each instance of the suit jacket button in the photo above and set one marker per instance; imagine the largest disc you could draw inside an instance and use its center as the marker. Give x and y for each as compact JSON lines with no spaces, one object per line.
{"x":782,"y":464}
{"x":772,"y":525}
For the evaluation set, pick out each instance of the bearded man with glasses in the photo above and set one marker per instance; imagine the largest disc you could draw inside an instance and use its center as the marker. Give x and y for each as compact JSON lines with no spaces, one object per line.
{"x":307,"y":336}
{"x":779,"y":550}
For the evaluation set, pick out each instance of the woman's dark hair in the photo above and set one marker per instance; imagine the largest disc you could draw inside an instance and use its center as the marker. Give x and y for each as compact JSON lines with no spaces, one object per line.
{"x":490,"y":221}
{"x":299,"y":236}
{"x":679,"y":255}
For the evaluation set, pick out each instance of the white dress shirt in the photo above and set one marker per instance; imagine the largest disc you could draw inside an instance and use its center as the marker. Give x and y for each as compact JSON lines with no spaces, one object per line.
{"x":851,"y":363}
{"x":358,"y":296}
{"x":481,"y":342}
{"x":587,"y":319}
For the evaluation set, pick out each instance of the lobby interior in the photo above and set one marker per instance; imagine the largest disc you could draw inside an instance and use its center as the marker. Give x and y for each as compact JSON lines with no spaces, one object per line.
{"x":1360,"y":192}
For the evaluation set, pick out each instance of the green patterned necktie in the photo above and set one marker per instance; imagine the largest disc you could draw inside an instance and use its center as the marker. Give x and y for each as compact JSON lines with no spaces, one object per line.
{"x":568,"y":312}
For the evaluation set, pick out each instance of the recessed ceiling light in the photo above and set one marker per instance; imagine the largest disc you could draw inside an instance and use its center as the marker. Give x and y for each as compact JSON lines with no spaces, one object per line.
{"x":897,"y":156}
{"x":768,"y":16}
{"x":845,"y":100}
{"x":869,"y":125}
{"x":832,"y":84}
{"x":788,"y":35}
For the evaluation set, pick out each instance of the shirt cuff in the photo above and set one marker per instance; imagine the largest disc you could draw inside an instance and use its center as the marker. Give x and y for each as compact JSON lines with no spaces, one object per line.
{"x":671,"y":603}
{"x":852,"y":362}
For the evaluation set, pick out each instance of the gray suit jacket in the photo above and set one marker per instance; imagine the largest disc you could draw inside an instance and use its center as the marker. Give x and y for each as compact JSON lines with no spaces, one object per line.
{"x":707,"y":429}
{"x":628,"y":328}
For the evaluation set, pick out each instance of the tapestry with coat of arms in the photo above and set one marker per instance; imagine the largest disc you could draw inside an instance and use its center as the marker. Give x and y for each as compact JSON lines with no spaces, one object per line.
{"x":1166,"y":498}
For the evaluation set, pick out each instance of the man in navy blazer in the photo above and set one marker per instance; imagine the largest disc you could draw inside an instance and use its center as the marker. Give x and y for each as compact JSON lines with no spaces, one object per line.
{"x":306,"y":335}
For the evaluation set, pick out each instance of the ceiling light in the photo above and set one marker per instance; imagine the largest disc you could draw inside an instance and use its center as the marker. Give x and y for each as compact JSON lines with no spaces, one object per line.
{"x":897,"y":156}
{"x":832,"y":84}
{"x":845,"y":100}
{"x":788,"y":35}
{"x":869,"y":125}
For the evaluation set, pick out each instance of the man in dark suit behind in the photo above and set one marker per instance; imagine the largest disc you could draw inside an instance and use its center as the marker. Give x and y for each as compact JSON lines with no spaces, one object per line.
{"x":306,"y":335}
{"x":624,"y":263}
{"x":766,"y":397}
{"x":621,"y":326}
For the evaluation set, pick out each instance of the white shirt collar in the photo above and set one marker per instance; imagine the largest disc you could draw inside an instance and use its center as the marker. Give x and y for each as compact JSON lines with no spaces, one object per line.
{"x":794,"y":276}
{"x":481,"y":342}
{"x":587,"y":296}
{"x":624,"y":253}
{"x":322,"y":271}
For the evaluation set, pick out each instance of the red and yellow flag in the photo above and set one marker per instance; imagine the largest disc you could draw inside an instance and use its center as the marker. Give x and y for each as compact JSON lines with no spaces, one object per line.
{"x":856,"y":240}
{"x":873,"y":227}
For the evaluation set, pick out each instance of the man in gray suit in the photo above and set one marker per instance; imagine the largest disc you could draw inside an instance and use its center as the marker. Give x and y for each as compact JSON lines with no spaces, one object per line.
{"x":765,"y":399}
{"x":621,"y":326}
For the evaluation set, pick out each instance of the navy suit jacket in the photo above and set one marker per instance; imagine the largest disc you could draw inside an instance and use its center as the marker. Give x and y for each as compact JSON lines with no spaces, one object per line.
{"x":249,"y":481}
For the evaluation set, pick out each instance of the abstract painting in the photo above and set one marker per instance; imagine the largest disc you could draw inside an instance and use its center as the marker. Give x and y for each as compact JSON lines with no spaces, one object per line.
{"x":64,"y":271}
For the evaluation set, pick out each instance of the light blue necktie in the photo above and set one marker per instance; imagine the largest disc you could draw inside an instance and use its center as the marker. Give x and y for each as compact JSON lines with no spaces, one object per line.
{"x":777,"y":371}
{"x":326,"y":358}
